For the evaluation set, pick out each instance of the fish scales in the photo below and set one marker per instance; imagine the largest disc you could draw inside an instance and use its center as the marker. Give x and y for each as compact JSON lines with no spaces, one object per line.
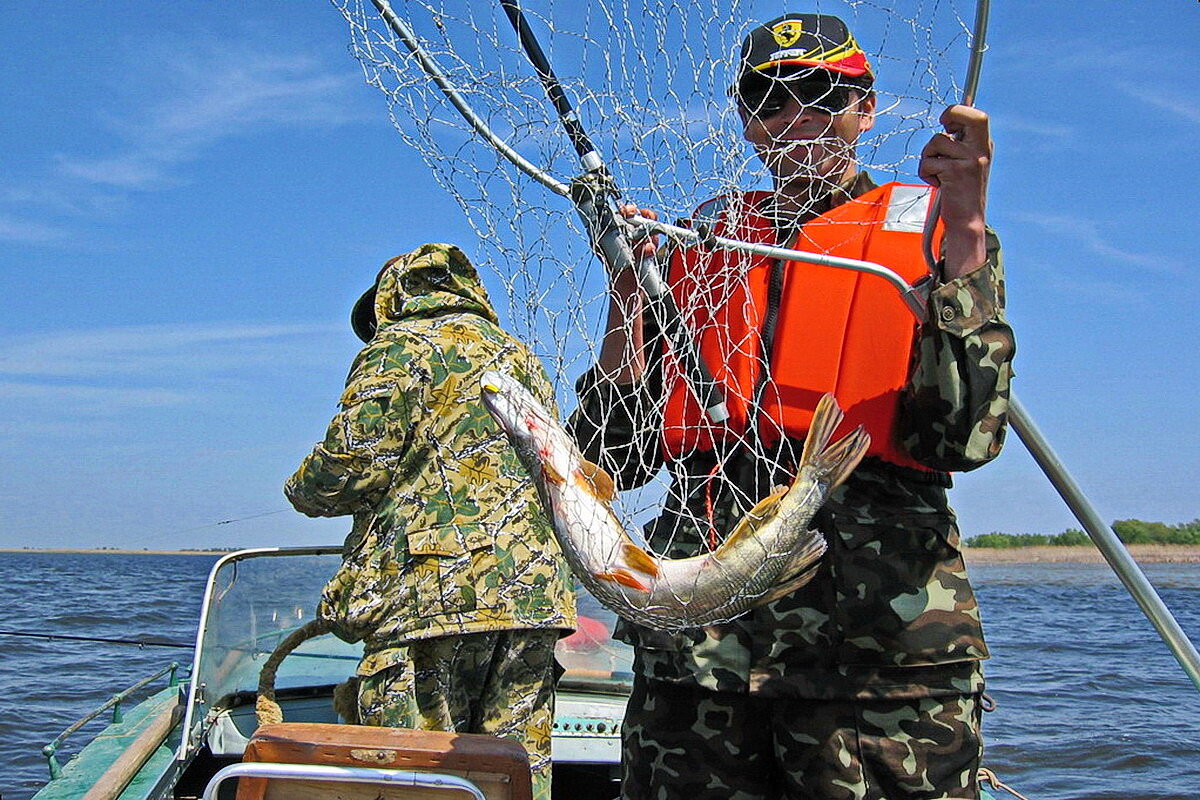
{"x":771,"y":551}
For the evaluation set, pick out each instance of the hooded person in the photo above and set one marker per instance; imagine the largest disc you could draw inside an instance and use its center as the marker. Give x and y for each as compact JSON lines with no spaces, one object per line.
{"x":451,"y":575}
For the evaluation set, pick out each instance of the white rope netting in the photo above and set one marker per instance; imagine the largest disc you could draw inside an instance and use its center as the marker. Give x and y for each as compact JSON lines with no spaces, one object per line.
{"x":650,"y":82}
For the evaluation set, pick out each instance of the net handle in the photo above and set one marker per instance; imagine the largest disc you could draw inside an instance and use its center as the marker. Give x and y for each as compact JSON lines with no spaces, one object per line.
{"x":970,"y":88}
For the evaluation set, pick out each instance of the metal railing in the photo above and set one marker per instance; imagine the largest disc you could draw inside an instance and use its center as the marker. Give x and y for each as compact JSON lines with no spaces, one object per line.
{"x":114,"y":703}
{"x":368,"y":775}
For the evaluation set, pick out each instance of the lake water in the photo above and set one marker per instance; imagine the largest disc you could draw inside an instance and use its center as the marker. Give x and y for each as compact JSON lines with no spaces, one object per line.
{"x":1091,"y":704}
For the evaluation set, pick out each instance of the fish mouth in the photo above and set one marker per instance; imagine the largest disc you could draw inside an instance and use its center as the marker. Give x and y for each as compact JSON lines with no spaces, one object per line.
{"x":496,"y":400}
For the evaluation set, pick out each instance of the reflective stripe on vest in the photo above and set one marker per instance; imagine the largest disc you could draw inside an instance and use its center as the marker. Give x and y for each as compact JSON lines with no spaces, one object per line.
{"x":837,"y":331}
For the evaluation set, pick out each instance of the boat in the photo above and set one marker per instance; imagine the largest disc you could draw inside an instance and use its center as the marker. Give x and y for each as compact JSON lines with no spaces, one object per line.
{"x":191,"y":736}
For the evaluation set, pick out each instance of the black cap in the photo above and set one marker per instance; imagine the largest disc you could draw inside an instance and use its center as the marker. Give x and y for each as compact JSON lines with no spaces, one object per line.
{"x":819,"y":41}
{"x":362,"y":316}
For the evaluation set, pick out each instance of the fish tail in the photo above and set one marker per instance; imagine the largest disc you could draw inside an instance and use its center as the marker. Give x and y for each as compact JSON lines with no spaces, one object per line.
{"x":790,"y":584}
{"x":833,"y":461}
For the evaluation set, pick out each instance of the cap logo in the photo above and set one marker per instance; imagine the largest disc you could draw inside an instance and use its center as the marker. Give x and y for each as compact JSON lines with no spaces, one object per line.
{"x":788,"y":32}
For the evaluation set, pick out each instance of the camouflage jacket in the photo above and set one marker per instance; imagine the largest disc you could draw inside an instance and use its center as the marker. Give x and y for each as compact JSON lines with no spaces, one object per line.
{"x":448,"y":535}
{"x":891,"y":612}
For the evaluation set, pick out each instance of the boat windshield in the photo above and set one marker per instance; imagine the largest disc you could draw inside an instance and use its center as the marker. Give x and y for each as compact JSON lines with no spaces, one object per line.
{"x":255,"y":598}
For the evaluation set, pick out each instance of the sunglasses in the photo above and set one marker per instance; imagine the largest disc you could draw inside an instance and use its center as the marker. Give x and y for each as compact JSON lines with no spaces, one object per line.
{"x":772,"y":97}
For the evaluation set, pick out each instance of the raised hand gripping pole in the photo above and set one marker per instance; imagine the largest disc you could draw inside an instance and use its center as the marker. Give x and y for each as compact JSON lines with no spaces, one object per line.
{"x":1103,"y":536}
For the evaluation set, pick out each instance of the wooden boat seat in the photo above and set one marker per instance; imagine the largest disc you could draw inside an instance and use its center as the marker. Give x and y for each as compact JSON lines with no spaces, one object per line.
{"x":498,"y":767}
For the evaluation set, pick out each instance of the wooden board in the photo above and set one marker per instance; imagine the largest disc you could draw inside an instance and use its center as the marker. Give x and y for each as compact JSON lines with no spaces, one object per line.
{"x":499,"y":767}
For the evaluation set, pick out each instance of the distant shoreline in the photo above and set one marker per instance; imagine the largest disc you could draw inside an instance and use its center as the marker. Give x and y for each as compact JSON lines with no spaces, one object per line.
{"x":1081,"y":554}
{"x":113,"y":551}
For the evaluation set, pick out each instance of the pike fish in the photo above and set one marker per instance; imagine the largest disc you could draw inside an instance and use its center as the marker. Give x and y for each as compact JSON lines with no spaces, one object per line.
{"x":770,"y":553}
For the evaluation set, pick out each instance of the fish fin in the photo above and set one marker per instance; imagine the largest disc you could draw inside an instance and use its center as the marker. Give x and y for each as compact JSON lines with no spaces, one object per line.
{"x":808,"y":551}
{"x":639,"y":559}
{"x":793,"y":584}
{"x":834,"y":462}
{"x":553,"y":475}
{"x":623,"y":577}
{"x":601,"y":482}
{"x":752,"y":520}
{"x":801,"y":567}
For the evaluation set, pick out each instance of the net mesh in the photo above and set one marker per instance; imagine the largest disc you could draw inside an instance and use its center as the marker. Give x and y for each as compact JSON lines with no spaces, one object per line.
{"x":650,"y":83}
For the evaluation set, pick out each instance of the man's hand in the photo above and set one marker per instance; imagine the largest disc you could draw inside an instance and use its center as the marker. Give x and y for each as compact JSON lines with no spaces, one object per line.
{"x":622,"y":359}
{"x":648,"y":248}
{"x":957,"y":163}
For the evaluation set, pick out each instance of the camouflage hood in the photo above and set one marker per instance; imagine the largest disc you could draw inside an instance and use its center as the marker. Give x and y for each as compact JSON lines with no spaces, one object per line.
{"x":433,"y":280}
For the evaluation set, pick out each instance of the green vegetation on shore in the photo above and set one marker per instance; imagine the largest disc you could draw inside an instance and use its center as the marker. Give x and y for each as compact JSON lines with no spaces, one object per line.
{"x":1129,"y":531}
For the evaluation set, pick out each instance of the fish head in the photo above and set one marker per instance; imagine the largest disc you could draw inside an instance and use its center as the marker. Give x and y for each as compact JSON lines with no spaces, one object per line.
{"x":535,"y":433}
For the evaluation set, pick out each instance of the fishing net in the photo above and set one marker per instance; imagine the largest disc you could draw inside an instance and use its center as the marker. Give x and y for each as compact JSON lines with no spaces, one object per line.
{"x":649,"y":81}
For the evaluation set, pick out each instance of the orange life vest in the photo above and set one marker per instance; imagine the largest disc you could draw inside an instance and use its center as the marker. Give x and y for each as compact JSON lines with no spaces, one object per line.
{"x":836,"y":330}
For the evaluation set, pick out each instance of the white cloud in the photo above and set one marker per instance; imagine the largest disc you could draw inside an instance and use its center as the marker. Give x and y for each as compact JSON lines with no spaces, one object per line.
{"x":204,"y":92}
{"x":1158,"y":96}
{"x":93,"y":397}
{"x":14,"y":229}
{"x":171,"y":103}
{"x":155,"y":352}
{"x":1089,"y":235}
{"x":1045,"y":132}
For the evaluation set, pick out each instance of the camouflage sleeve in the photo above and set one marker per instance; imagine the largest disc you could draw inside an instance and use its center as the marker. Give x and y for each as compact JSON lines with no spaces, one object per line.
{"x":349,"y":470}
{"x":618,"y":426}
{"x":954,"y":409}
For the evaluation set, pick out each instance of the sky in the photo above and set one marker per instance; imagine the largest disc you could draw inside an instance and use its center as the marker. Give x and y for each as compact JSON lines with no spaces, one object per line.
{"x":191,"y":198}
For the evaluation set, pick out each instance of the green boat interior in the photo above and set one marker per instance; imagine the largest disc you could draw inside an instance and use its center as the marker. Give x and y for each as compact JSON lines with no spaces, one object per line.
{"x":177,"y":742}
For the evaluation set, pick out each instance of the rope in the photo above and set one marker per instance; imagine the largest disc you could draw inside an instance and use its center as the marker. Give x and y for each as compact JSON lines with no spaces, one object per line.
{"x":989,"y":776}
{"x":266,"y":709}
{"x":710,"y":511}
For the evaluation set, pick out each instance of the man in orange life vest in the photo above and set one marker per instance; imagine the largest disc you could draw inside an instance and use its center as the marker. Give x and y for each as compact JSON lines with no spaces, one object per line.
{"x":865,"y":683}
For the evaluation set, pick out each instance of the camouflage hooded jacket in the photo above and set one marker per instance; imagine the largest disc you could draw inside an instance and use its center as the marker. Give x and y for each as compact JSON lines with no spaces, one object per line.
{"x":448,"y":536}
{"x":891,"y":612}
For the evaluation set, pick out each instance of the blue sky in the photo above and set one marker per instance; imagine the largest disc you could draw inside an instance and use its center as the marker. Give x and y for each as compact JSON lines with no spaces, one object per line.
{"x":191,"y":199}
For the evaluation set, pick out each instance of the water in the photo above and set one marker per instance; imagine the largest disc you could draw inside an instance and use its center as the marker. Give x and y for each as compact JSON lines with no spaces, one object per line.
{"x":1091,"y":704}
{"x":47,"y":685}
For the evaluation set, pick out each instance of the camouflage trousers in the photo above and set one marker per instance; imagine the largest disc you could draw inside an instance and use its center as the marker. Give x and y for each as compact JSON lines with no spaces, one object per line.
{"x":694,"y":744}
{"x":499,"y":683}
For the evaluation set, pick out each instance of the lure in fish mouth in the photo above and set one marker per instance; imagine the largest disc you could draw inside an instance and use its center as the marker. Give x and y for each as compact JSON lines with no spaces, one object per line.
{"x":769,"y":554}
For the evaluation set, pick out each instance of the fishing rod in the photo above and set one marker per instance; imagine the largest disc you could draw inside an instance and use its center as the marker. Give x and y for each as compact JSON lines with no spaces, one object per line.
{"x":593,"y":195}
{"x":914,"y":296}
{"x":101,"y":639}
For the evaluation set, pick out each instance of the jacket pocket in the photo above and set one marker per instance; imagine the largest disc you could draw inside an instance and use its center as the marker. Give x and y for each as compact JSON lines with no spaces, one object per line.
{"x":447,"y":565}
{"x":902,"y":594}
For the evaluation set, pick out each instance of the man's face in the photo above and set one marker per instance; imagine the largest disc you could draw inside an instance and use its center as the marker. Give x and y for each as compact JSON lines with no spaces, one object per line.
{"x":805,"y":129}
